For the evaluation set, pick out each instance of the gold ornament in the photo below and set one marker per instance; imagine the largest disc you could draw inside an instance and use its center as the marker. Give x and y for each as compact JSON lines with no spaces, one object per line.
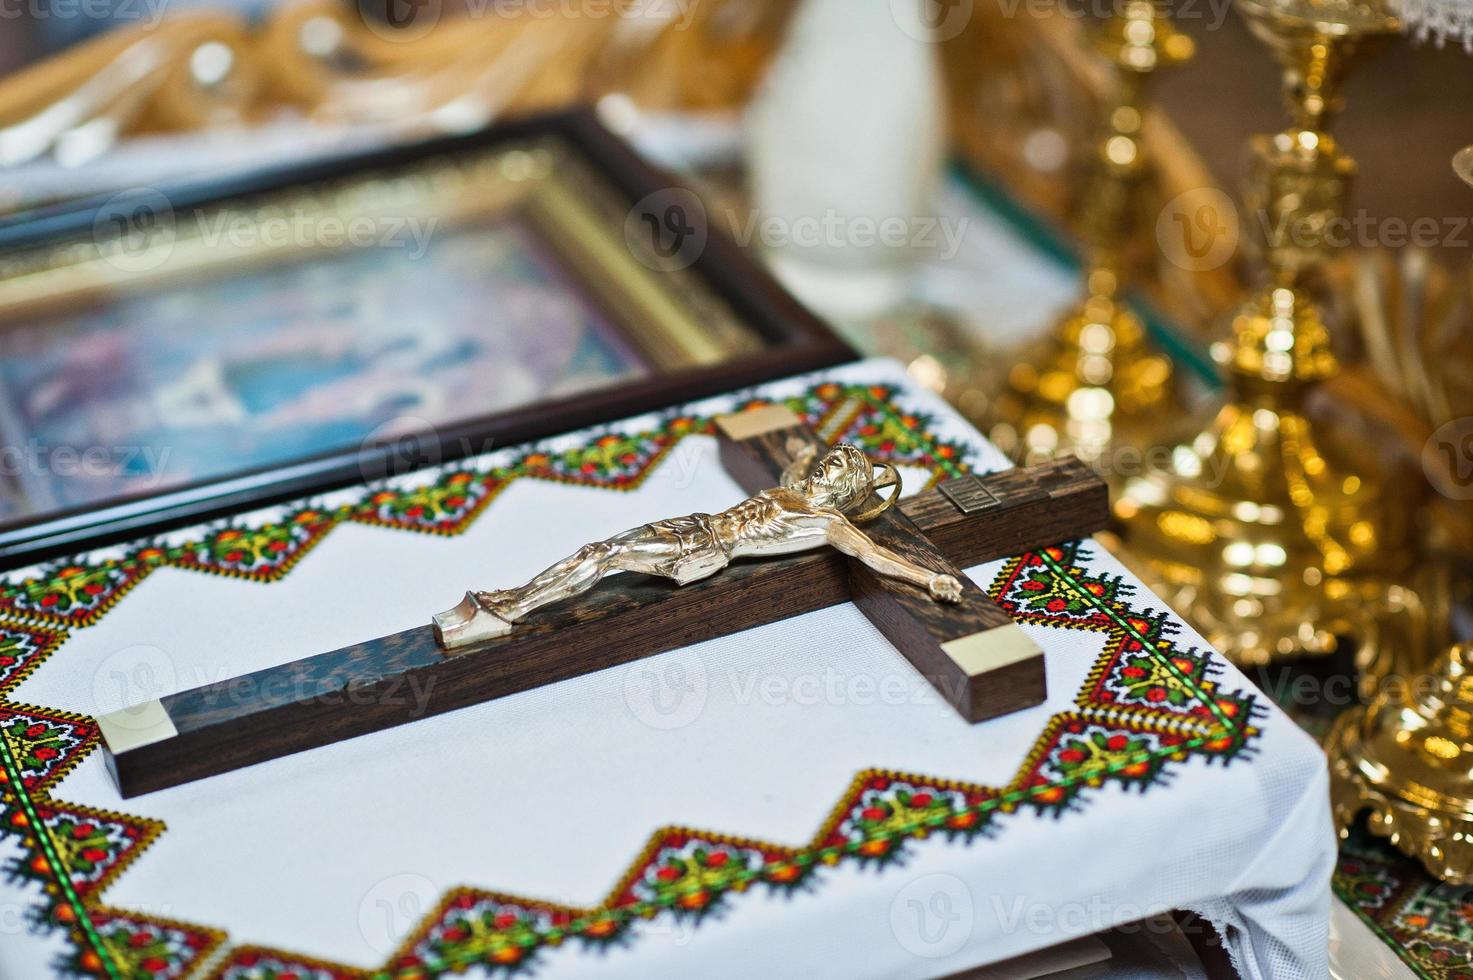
{"x":820,"y":502}
{"x":1408,"y":755}
{"x":416,"y":73}
{"x":1408,"y":758}
{"x":1093,"y":381}
{"x":1269,"y":536}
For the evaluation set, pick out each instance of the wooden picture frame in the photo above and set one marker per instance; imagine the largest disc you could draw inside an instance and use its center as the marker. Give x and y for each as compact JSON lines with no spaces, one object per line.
{"x":699,"y":316}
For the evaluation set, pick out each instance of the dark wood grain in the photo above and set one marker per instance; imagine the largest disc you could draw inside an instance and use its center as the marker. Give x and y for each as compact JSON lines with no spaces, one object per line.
{"x":1053,"y":501}
{"x":921,"y":628}
{"x":1044,"y":504}
{"x":371,"y":686}
{"x":757,"y":461}
{"x":395,"y":679}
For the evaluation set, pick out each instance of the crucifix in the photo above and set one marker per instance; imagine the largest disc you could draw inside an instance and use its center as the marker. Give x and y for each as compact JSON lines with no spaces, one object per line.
{"x":818,"y":530}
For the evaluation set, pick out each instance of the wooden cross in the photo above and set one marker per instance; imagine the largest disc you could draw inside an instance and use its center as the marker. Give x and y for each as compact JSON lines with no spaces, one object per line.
{"x":976,"y":657}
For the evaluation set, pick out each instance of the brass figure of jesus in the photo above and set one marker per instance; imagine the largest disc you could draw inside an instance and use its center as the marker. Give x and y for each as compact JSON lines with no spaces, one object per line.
{"x":809,"y":510}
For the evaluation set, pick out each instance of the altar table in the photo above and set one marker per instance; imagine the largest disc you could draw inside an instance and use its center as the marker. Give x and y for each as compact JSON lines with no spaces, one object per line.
{"x":794,"y":800}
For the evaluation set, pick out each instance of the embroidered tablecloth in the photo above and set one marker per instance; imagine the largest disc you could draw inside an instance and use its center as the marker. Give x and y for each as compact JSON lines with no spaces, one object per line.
{"x":791,"y":800}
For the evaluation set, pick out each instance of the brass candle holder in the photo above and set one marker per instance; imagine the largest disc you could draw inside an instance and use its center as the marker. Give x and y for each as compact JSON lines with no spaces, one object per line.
{"x":1408,"y":758}
{"x":1272,"y":539}
{"x":1408,"y":755}
{"x":1093,"y":381}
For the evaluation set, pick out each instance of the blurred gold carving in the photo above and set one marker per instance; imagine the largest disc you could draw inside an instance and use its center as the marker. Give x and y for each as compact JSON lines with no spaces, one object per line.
{"x":1407,"y":757}
{"x":1027,"y":95}
{"x":1273,"y":538}
{"x":1093,"y":381}
{"x":1412,"y":313}
{"x":324,"y":60}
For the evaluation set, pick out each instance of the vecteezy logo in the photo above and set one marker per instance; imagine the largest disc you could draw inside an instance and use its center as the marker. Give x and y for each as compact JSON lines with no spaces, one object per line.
{"x":134,"y":230}
{"x":932,"y":20}
{"x":404,"y":443}
{"x":127,"y":681}
{"x":932,"y":916}
{"x":400,"y":13}
{"x":667,"y":229}
{"x":393,"y":907}
{"x":399,"y":20}
{"x":1447,"y":459}
{"x":1198,"y":229}
{"x":668,"y":691}
{"x":667,"y":238}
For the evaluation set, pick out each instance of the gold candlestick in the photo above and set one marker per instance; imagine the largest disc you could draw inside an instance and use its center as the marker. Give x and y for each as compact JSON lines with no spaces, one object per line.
{"x":1269,"y":537}
{"x":1093,"y":381}
{"x":1408,"y":755}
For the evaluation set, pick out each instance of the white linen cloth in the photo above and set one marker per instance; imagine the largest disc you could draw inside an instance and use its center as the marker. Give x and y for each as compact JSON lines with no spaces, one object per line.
{"x":339,"y":853}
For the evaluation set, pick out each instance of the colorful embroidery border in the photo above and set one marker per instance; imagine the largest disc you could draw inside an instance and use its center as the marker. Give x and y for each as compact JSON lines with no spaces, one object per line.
{"x":1427,"y":922}
{"x":1146,"y":704}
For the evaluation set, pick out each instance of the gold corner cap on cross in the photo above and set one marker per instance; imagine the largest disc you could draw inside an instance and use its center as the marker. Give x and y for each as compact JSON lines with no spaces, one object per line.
{"x":757,"y":421}
{"x":133,"y":728}
{"x":994,"y":649}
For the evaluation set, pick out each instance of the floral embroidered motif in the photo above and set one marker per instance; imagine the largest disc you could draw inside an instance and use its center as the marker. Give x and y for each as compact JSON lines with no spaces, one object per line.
{"x":884,"y":810}
{"x":690,"y":873}
{"x":71,"y":595}
{"x":1053,"y":584}
{"x":616,"y":460}
{"x":252,"y":963}
{"x":1093,"y":753}
{"x":477,"y":927}
{"x":264,"y":553}
{"x":22,"y":649}
{"x":447,"y":506}
{"x":45,"y":744}
{"x":141,"y":948}
{"x":93,"y":845}
{"x":1145,"y":680}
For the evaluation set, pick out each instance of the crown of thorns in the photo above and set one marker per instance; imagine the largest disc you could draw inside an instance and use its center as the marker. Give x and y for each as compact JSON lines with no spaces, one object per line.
{"x":861,"y":481}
